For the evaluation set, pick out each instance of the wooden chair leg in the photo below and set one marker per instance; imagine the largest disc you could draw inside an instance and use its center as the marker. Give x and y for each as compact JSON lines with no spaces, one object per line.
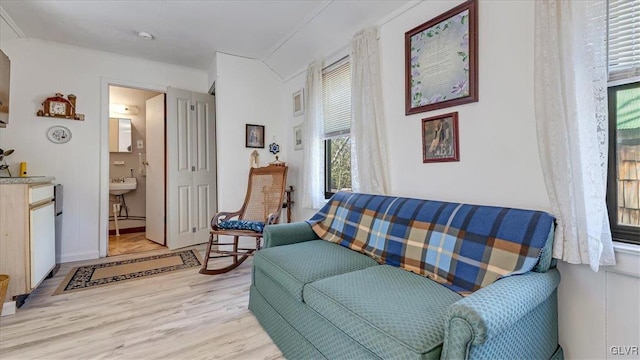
{"x":207,"y":254}
{"x":236,"y":239}
{"x":238,"y":257}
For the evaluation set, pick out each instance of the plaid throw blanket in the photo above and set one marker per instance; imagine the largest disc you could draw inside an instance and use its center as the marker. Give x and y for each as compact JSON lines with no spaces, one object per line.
{"x":464,"y":247}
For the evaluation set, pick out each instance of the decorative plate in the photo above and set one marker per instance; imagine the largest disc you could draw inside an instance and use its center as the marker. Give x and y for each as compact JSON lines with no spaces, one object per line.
{"x":59,"y":134}
{"x":274,"y":148}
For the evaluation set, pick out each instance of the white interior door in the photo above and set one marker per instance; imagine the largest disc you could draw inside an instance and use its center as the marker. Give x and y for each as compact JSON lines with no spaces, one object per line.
{"x":191,"y":174}
{"x":155,"y":156}
{"x":204,"y":161}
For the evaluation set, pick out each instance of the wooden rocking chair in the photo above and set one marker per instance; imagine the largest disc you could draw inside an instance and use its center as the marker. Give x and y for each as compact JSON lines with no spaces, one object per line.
{"x":262,"y":203}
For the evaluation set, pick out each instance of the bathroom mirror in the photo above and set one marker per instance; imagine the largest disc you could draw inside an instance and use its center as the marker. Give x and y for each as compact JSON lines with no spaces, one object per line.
{"x":5,"y":65}
{"x":119,"y":135}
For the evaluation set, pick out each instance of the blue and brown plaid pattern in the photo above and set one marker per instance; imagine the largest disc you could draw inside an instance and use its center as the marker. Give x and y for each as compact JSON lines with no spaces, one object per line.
{"x":465,"y":247}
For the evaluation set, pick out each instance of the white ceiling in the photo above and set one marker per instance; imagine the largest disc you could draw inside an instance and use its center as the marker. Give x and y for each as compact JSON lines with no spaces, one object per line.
{"x":286,"y":35}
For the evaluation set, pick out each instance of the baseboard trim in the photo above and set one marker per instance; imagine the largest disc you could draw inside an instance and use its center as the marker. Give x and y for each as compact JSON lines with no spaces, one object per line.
{"x":80,"y":256}
{"x":129,"y":230}
{"x":8,"y":308}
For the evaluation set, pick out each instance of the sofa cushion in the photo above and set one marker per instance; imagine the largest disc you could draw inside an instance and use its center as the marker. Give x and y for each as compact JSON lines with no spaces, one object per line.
{"x":257,"y":226}
{"x":293,"y":266}
{"x":392,"y":312}
{"x":465,"y":247}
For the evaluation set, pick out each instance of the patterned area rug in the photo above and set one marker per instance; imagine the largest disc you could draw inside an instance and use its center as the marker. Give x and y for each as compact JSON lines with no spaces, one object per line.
{"x":90,"y":276}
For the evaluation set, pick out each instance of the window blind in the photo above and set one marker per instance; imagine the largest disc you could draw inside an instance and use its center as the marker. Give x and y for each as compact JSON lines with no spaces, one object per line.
{"x":336,"y":98}
{"x":624,"y":39}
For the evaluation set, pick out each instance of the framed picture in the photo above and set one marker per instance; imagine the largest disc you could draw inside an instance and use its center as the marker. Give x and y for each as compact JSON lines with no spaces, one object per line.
{"x":441,"y":61}
{"x":254,"y":136}
{"x":440,"y":138}
{"x":298,"y":102}
{"x":297,"y":137}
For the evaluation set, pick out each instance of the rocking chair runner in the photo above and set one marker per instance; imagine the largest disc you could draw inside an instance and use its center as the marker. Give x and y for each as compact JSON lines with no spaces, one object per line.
{"x":262,"y":204}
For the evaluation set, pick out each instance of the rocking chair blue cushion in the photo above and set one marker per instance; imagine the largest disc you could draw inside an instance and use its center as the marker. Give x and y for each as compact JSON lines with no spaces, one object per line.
{"x":256,"y":226}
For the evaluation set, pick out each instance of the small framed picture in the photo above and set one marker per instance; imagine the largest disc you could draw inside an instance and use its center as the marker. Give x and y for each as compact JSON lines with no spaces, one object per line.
{"x":298,"y":102}
{"x":254,"y":136}
{"x":297,"y":137}
{"x":440,"y":138}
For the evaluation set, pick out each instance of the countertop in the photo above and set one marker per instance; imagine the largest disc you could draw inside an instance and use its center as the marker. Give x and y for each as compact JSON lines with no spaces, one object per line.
{"x":26,"y":180}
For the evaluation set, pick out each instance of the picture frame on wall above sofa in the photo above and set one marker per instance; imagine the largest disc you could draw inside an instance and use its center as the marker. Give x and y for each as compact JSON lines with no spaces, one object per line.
{"x":297,"y":137}
{"x":298,"y":102}
{"x":441,"y":61}
{"x":254,"y":136}
{"x":440,"y":140}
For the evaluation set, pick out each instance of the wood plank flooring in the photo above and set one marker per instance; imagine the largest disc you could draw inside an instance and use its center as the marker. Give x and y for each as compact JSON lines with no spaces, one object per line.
{"x":179,"y":315}
{"x":130,"y":244}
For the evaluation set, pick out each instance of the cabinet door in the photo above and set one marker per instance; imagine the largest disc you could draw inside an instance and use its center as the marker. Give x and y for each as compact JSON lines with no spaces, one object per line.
{"x":42,"y":241}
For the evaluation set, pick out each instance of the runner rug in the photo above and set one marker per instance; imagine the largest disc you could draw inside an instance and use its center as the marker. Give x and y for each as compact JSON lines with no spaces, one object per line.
{"x":91,"y":276}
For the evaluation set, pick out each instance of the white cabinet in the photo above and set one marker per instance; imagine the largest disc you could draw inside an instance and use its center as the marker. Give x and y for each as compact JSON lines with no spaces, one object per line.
{"x":27,"y":236}
{"x":42,"y":240}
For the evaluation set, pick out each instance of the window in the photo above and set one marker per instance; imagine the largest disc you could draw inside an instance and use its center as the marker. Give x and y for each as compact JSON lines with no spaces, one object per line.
{"x":623,"y":185}
{"x":336,"y":106}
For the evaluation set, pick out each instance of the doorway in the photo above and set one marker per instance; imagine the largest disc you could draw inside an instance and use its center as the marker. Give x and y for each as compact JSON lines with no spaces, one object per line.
{"x":136,"y":173}
{"x":190,"y":186}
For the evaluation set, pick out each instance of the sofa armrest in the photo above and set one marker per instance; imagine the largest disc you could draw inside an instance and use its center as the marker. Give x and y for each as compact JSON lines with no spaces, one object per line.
{"x":494,"y":309}
{"x":285,"y":234}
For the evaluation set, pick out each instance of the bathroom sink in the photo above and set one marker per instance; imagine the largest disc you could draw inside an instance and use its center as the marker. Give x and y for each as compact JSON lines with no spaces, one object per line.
{"x":119,"y":188}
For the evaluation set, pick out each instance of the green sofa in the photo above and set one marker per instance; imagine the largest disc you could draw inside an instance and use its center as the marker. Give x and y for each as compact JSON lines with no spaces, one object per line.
{"x":319,"y":299}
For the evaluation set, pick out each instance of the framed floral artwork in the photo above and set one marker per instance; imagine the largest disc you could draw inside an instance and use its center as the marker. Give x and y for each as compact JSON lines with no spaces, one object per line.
{"x":441,"y":61}
{"x":440,"y":138}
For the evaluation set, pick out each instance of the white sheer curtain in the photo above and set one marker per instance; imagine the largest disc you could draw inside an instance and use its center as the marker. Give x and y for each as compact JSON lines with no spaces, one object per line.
{"x":368,"y":151}
{"x":571,"y":117}
{"x":312,"y":140}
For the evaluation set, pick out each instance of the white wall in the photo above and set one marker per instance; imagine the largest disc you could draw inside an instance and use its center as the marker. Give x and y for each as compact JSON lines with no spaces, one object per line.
{"x":38,"y":70}
{"x":294,"y":157}
{"x":247,"y":92}
{"x":499,"y":163}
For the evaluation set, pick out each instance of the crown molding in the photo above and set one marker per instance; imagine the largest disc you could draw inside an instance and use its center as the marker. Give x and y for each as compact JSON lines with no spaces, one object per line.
{"x":12,"y":24}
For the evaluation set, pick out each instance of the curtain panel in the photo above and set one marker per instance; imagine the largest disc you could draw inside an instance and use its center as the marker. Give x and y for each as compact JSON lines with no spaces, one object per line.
{"x":312,"y":138}
{"x":369,"y":163}
{"x":571,"y":119}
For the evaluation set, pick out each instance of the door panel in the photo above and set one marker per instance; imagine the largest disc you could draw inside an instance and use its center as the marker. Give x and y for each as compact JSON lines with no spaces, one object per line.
{"x":205,"y":153}
{"x":42,"y":242}
{"x":179,"y":174}
{"x":204,"y":208}
{"x":202,"y":130}
{"x":184,"y":209}
{"x":155,"y":155}
{"x":184,"y":135}
{"x":191,"y":173}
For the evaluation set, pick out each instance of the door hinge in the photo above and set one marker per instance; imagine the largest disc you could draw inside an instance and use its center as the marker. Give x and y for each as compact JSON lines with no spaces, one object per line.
{"x":193,"y":107}
{"x":193,"y":229}
{"x":193,"y":168}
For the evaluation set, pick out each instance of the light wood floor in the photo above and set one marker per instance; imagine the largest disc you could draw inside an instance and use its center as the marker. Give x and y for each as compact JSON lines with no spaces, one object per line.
{"x":179,"y":315}
{"x":130,"y":244}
